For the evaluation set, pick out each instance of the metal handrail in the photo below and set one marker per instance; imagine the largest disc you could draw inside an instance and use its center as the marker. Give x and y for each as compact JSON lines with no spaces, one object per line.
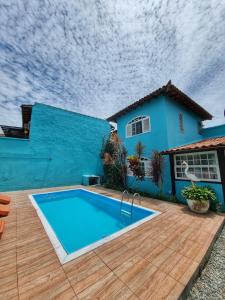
{"x":138,"y":197}
{"x":125,"y":192}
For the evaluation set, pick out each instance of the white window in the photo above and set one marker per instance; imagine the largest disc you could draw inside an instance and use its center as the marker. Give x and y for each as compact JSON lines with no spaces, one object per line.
{"x":204,"y":165}
{"x":146,"y":166}
{"x":137,"y":126}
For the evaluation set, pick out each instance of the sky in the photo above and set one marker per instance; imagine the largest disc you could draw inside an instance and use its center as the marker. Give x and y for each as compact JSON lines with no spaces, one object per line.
{"x":96,"y":57}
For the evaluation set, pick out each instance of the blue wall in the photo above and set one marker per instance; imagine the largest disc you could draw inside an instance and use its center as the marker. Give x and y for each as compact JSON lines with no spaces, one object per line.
{"x":156,"y":139}
{"x":190,"y":121}
{"x":215,"y":131}
{"x":62,"y":147}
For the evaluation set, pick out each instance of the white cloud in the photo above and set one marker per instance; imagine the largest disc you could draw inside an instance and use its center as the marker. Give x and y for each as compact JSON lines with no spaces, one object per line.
{"x":96,"y":57}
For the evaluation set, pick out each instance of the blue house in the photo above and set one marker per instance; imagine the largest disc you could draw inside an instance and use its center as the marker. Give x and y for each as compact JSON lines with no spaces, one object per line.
{"x":169,"y":121}
{"x":54,"y":147}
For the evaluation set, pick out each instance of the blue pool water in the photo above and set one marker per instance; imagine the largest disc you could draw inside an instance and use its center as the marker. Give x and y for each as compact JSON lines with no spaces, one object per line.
{"x":79,"y":217}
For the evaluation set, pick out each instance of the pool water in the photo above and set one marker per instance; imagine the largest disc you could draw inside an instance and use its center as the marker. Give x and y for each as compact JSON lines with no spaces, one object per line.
{"x":80,"y":218}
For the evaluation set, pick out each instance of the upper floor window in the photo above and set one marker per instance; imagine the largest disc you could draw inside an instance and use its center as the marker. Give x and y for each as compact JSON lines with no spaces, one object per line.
{"x":137,"y":126}
{"x":181,"y":122}
{"x":204,"y":165}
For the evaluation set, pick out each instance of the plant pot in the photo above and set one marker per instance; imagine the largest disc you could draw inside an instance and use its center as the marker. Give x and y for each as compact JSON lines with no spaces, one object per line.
{"x":200,"y":207}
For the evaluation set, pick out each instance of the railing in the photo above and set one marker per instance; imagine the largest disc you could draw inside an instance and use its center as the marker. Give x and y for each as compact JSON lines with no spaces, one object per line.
{"x":127,"y":195}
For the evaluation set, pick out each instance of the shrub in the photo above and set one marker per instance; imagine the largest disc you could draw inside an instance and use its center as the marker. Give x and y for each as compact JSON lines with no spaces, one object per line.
{"x":113,"y":154}
{"x":199,"y":193}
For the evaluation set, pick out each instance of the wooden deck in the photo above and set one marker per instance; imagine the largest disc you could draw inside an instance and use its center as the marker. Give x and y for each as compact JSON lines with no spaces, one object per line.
{"x":157,"y":260}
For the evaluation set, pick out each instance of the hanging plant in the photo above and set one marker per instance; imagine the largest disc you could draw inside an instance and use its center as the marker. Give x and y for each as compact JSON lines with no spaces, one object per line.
{"x":157,"y":169}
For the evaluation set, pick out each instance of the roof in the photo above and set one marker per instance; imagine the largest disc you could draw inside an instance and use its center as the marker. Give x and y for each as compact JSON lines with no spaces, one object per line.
{"x":211,"y":143}
{"x":12,"y":131}
{"x":171,"y":91}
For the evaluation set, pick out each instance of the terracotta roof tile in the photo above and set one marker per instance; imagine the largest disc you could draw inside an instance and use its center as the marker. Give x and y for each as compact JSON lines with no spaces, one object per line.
{"x":174,"y":93}
{"x":204,"y":144}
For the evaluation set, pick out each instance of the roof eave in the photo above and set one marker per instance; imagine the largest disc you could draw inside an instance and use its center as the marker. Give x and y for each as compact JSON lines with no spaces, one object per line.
{"x":170,"y":91}
{"x":178,"y":151}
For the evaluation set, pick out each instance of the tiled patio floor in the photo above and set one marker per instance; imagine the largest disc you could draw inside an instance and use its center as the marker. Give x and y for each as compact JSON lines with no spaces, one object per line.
{"x":156,"y":260}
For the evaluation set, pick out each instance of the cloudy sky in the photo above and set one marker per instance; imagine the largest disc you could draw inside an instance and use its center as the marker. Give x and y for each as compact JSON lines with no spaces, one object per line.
{"x":95,"y":57}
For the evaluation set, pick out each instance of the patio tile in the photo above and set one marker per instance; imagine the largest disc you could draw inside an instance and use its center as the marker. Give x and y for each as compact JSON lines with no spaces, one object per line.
{"x":114,"y":256}
{"x":159,"y":255}
{"x":30,"y":269}
{"x":85,"y":271}
{"x":183,"y":270}
{"x":189,"y":248}
{"x":108,"y":287}
{"x":157,"y":286}
{"x":135,"y":272}
{"x":8,"y":281}
{"x":171,"y":261}
{"x":49,"y":286}
{"x":176,"y":292}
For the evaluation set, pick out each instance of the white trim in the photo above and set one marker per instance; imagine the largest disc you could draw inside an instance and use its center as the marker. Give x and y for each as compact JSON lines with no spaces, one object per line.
{"x":198,"y":166}
{"x":133,"y":121}
{"x":144,"y":160}
{"x":61,"y":253}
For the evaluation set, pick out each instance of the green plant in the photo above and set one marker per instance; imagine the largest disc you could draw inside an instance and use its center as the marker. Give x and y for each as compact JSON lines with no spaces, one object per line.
{"x":157,"y":169}
{"x":113,"y":154}
{"x":135,"y":162}
{"x":199,"y":193}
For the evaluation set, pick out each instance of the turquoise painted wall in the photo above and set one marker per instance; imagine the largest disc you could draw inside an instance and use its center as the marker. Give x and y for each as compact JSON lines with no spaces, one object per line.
{"x":165,"y":134}
{"x":156,"y":139}
{"x":215,"y":131}
{"x":62,"y":147}
{"x":190,"y":121}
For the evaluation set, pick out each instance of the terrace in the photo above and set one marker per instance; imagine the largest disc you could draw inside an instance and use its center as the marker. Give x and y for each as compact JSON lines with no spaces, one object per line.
{"x":157,"y":260}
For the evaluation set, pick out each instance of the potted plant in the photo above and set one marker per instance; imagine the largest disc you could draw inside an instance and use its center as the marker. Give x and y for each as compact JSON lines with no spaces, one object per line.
{"x":199,"y":198}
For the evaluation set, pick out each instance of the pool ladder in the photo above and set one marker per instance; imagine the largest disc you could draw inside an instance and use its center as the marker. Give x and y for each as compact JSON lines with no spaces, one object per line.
{"x":127,"y":195}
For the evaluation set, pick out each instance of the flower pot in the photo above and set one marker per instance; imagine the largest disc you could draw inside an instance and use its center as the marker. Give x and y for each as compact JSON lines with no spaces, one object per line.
{"x":200,"y":207}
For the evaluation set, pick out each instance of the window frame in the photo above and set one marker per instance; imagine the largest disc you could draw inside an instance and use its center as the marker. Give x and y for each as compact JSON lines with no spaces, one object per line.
{"x":218,"y":180}
{"x":143,"y":160}
{"x":137,"y":120}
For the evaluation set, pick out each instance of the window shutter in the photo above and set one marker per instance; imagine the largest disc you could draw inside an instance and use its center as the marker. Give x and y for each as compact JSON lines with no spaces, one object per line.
{"x":146,"y":125}
{"x":129,"y":130}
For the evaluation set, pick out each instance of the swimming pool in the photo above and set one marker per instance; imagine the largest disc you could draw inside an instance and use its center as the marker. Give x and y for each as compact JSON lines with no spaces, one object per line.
{"x":78,"y":221}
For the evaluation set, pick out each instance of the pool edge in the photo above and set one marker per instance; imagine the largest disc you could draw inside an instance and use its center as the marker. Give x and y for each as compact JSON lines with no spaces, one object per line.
{"x":63,"y":256}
